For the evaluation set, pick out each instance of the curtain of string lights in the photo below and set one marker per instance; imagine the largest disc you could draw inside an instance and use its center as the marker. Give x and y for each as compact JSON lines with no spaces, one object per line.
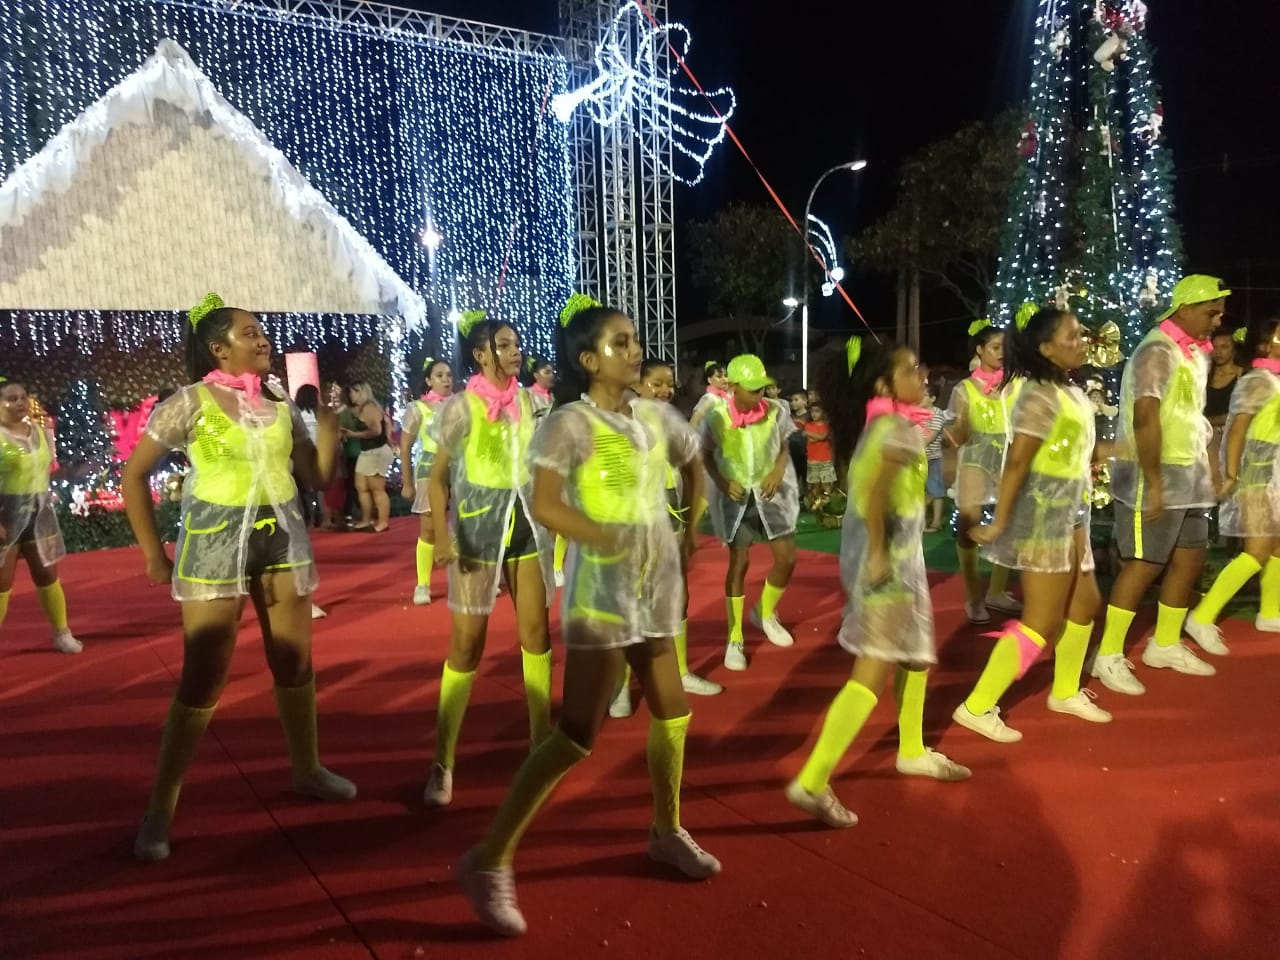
{"x":408,"y":136}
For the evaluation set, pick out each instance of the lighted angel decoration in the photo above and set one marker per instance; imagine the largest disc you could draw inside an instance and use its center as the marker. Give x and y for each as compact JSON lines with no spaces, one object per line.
{"x":629,"y":78}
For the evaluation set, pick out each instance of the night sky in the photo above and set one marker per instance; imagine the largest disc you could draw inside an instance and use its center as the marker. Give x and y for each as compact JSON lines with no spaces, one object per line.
{"x":878,"y":80}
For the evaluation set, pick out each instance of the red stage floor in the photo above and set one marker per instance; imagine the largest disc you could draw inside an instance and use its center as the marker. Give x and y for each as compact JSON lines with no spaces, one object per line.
{"x":1156,"y":836}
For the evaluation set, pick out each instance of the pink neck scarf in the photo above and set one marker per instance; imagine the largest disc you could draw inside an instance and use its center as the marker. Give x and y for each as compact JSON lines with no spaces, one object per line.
{"x":541,"y":391}
{"x":717,"y":392}
{"x":879,"y":406}
{"x":741,"y":418}
{"x":990,"y":380}
{"x":497,"y":400}
{"x":1266,"y":363}
{"x":1186,"y":343}
{"x":250,"y":383}
{"x":432,"y":397}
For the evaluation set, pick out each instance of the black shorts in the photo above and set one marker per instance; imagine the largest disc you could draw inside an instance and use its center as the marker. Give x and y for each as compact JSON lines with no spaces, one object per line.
{"x":209,"y":545}
{"x":519,"y":543}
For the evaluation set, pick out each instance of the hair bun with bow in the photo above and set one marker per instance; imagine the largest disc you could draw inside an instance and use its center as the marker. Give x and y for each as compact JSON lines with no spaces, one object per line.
{"x":210,"y":303}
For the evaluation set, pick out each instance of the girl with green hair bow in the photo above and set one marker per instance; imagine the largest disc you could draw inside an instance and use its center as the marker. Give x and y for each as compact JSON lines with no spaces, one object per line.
{"x":417,"y":452}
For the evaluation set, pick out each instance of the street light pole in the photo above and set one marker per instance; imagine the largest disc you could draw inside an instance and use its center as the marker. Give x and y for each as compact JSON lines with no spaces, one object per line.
{"x":804,"y":302}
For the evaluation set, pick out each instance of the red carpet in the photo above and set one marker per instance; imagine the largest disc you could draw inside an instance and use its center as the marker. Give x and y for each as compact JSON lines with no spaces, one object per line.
{"x":1156,"y":836}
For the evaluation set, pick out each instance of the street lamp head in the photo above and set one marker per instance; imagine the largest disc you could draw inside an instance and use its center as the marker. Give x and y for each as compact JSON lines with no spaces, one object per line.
{"x":857,"y":165}
{"x":791,"y":302}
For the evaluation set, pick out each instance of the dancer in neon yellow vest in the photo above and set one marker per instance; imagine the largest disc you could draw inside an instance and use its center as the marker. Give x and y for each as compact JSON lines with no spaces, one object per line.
{"x":753,"y":496}
{"x":1250,"y":489}
{"x":1163,"y":487}
{"x":1041,"y":525}
{"x":600,"y":465}
{"x":872,"y":393}
{"x":717,"y":393}
{"x":481,"y":472}
{"x":417,"y":453}
{"x":657,"y":382}
{"x":28,"y":524}
{"x":979,"y":416}
{"x":242,"y":536}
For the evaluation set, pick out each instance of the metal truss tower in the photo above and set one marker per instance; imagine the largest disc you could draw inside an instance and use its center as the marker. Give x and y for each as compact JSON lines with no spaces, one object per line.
{"x":626,"y":202}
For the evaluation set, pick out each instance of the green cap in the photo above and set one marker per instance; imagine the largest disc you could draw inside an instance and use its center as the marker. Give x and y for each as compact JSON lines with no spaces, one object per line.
{"x":748,"y":372}
{"x":1197,"y":288}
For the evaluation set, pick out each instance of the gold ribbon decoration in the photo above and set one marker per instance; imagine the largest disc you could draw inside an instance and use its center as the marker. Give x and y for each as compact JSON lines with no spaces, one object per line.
{"x":1103,"y":346}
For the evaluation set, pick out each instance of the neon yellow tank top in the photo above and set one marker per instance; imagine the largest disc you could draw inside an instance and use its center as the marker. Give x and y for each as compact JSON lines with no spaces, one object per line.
{"x":746,"y":449}
{"x":494,"y":456}
{"x":22,"y":472}
{"x":906,"y":495}
{"x":988,"y":413}
{"x":1067,"y":450}
{"x":236,"y":467}
{"x":618,"y":483}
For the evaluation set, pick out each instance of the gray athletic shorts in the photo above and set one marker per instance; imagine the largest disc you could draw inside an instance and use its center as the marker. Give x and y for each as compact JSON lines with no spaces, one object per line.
{"x":1139,"y":539}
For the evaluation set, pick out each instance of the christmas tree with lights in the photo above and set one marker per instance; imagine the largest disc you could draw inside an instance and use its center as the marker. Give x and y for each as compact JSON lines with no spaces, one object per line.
{"x":1090,"y":221}
{"x":85,"y":450}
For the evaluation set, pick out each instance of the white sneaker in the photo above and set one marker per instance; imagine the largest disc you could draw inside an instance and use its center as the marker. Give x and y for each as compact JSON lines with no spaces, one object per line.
{"x":988,"y":725}
{"x":439,"y":790}
{"x":735,"y":658}
{"x":1267,"y":624}
{"x":700,"y":686}
{"x":152,"y":843}
{"x":776,"y":633}
{"x":492,"y":894}
{"x":621,"y":707}
{"x":1176,"y":657}
{"x":822,"y":806}
{"x":1116,"y":674}
{"x":422,"y":595}
{"x":679,"y":850}
{"x":1208,"y":636}
{"x":976,"y":612}
{"x":1080,"y":705}
{"x":64,"y":642}
{"x":934,"y":764}
{"x":322,"y":784}
{"x":317,"y":613}
{"x":1004,"y":602}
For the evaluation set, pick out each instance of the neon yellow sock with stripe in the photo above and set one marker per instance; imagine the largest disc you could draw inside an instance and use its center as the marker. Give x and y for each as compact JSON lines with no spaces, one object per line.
{"x":769,"y":598}
{"x":4,"y":605}
{"x":562,"y":547}
{"x":969,"y":572}
{"x":297,"y":709}
{"x":455,"y":692}
{"x":908,"y":691}
{"x":844,"y":720}
{"x":664,"y":752}
{"x":733,"y":611}
{"x":1269,"y":609}
{"x":1114,"y":631}
{"x":1225,"y":586}
{"x":999,"y":581}
{"x":537,"y":690}
{"x":183,"y":729}
{"x":1003,"y":668}
{"x":1169,"y":624}
{"x":534,"y":781}
{"x":682,"y":647}
{"x":54,"y":604}
{"x":426,"y":557}
{"x":1068,"y":659}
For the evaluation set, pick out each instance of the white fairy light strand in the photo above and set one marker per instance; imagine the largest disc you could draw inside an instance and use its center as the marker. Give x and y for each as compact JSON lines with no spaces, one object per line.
{"x":626,"y":84}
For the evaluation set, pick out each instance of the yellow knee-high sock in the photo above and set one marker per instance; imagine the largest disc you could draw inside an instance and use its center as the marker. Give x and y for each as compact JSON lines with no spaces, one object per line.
{"x":664,"y":752}
{"x":426,"y":555}
{"x":54,"y":603}
{"x":908,"y":691}
{"x":769,"y":598}
{"x":1068,"y":659}
{"x":455,"y":691}
{"x":537,"y":690}
{"x":534,"y":781}
{"x":845,"y":718}
{"x":969,"y":572}
{"x":624,"y":680}
{"x":183,"y":729}
{"x":1114,"y":630}
{"x":1009,"y":661}
{"x":4,"y":605}
{"x":733,"y":611}
{"x":999,"y":581}
{"x":1169,"y":624}
{"x":1268,"y":609}
{"x":1225,"y":586}
{"x":297,"y":709}
{"x":561,"y":548}
{"x":682,"y":647}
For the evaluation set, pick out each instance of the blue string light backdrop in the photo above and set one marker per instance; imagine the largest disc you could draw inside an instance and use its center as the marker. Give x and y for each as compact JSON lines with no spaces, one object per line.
{"x":440,"y":153}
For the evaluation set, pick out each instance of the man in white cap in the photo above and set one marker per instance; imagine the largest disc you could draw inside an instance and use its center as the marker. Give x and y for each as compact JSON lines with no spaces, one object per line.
{"x":1163,"y":487}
